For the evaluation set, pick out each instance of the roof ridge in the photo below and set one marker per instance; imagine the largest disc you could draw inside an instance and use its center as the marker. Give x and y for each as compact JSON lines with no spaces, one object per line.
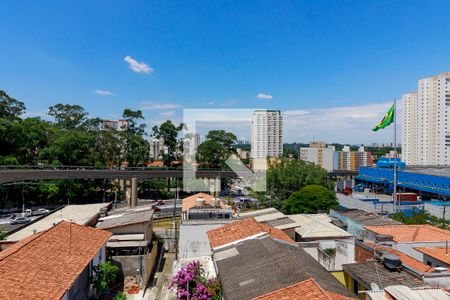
{"x":28,"y":240}
{"x":416,"y":233}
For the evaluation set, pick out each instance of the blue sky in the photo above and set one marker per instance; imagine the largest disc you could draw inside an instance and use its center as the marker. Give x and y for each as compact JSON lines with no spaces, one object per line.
{"x":330,"y":66}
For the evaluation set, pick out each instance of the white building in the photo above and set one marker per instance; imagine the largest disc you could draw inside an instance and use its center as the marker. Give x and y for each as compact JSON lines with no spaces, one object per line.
{"x":426,"y":128}
{"x":267,"y":134}
{"x":119,"y":125}
{"x":409,"y":136}
{"x":321,"y":155}
{"x":157,"y":148}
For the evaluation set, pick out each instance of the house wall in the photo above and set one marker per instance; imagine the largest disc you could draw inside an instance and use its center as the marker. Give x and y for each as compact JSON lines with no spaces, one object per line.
{"x":408,"y":248}
{"x":345,"y":253}
{"x":145,"y":227}
{"x":434,"y":262}
{"x":80,"y":287}
{"x":129,"y":264}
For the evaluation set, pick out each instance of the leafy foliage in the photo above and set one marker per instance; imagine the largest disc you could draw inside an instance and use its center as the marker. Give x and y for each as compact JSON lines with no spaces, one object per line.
{"x":168,"y":133}
{"x":10,"y":108}
{"x":191,"y":283}
{"x":420,"y":217}
{"x":2,"y":235}
{"x":120,"y":296}
{"x":310,"y":199}
{"x":67,"y":116}
{"x":216,"y":149}
{"x":105,"y":275}
{"x":287,"y":176}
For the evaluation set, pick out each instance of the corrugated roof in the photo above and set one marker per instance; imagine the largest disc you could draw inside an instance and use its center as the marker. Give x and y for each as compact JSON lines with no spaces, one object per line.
{"x":400,"y":292}
{"x":45,"y":265}
{"x":260,"y":266}
{"x":412,"y":233}
{"x":374,"y":272}
{"x":317,"y":226}
{"x":125,"y":218}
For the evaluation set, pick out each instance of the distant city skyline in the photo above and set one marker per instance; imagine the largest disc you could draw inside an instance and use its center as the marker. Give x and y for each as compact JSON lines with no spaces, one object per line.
{"x":331,"y":74}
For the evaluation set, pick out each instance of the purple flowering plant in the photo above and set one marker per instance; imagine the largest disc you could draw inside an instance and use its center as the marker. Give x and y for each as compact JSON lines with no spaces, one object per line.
{"x":191,"y":283}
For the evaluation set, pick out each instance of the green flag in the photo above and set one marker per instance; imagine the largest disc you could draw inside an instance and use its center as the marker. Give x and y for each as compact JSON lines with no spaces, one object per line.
{"x":387,"y":120}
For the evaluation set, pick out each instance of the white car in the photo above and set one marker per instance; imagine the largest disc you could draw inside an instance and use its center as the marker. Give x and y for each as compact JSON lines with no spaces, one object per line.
{"x":20,"y":220}
{"x":41,"y":211}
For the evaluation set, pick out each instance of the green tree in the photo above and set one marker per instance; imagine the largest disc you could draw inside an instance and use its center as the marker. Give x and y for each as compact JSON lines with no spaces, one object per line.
{"x":110,"y":145}
{"x":2,"y":235}
{"x":67,"y":116}
{"x":105,"y":275}
{"x":133,"y":118}
{"x":287,"y":176}
{"x":216,"y":149}
{"x":74,"y":147}
{"x":10,"y":108}
{"x":310,"y":199}
{"x":168,"y":133}
{"x":137,"y":151}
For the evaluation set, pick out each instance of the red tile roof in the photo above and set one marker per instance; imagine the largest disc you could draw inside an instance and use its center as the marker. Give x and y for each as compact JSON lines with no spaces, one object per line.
{"x":189,"y":202}
{"x":45,"y":265}
{"x":243,"y":229}
{"x":412,"y":233}
{"x":439,"y":253}
{"x":308,"y":289}
{"x":406,"y":259}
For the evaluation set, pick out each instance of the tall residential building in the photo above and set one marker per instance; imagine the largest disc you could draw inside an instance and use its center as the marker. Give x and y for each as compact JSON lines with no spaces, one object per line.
{"x":409,"y":134}
{"x":346,"y":159}
{"x":267,"y":134}
{"x":426,"y":127}
{"x":156,"y":149}
{"x":321,"y":155}
{"x":363,"y":158}
{"x":119,"y":125}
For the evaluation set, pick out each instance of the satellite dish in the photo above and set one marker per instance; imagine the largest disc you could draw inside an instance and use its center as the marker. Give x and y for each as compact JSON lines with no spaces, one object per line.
{"x":374,"y":286}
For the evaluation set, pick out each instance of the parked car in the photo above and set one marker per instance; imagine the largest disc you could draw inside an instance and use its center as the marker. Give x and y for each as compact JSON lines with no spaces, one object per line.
{"x":20,"y":220}
{"x":28,"y":212}
{"x":41,"y":211}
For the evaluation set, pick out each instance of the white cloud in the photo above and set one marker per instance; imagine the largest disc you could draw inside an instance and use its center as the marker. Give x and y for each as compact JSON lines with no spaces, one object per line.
{"x":138,"y":67}
{"x":157,"y":106}
{"x":103,"y":92}
{"x":264,"y":96}
{"x":346,"y":124}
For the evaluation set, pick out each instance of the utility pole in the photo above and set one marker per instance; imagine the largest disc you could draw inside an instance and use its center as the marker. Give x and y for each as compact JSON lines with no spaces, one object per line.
{"x":396,"y":202}
{"x":175,"y":219}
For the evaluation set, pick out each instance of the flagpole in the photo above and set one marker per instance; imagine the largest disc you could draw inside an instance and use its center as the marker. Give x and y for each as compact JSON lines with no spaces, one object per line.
{"x":396,"y":202}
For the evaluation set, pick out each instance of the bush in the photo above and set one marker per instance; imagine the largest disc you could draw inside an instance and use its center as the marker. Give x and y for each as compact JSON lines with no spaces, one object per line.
{"x":191,"y":283}
{"x":310,"y":199}
{"x":105,"y":276}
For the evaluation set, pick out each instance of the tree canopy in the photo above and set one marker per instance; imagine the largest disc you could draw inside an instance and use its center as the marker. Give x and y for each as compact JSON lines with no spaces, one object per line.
{"x":310,"y":199}
{"x":10,"y":108}
{"x":168,"y":133}
{"x":286,"y":176}
{"x":216,"y":149}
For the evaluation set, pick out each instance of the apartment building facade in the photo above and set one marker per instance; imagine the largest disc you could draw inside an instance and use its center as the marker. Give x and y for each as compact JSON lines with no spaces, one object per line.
{"x":426,"y":128}
{"x":267,"y":134}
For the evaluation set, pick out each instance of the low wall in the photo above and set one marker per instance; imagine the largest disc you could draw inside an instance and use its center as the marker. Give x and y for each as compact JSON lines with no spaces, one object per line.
{"x":129,"y":264}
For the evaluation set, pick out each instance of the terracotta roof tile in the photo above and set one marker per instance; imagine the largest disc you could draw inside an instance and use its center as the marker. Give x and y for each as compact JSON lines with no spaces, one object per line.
{"x":308,"y":289}
{"x":243,"y":229}
{"x":406,"y":259}
{"x":44,"y":265}
{"x":412,"y":233}
{"x":439,"y":253}
{"x":189,"y":202}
